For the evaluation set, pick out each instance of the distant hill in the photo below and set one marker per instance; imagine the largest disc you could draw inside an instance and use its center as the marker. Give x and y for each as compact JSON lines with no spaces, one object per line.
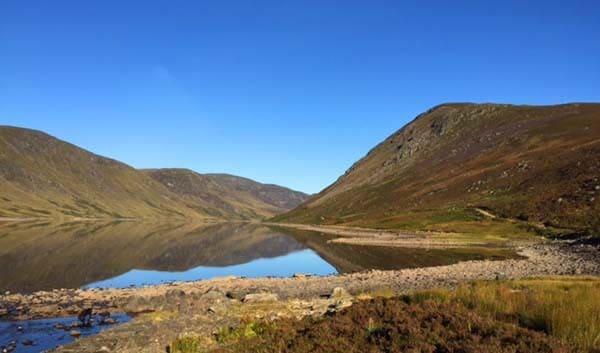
{"x":43,"y":177}
{"x":227,"y":196}
{"x":531,"y":163}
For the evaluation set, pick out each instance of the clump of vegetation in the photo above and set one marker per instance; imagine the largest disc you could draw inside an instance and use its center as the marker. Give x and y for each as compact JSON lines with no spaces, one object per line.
{"x":563,"y":307}
{"x":385,"y":292}
{"x":234,"y":334}
{"x":223,"y":336}
{"x":186,"y":344}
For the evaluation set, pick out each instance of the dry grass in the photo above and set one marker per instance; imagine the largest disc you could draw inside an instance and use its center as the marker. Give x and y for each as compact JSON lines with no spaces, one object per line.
{"x":567,"y":308}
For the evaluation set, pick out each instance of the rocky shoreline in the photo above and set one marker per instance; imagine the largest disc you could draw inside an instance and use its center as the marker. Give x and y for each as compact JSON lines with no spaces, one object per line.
{"x":549,"y":258}
{"x":167,"y":311}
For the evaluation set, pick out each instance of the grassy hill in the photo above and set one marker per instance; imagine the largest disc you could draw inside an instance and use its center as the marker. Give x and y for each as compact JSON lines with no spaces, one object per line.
{"x":43,"y":177}
{"x":227,"y":196}
{"x":459,"y":163}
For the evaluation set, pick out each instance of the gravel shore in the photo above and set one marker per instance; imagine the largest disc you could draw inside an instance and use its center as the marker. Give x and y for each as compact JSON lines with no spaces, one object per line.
{"x":196,"y":304}
{"x":552,"y":258}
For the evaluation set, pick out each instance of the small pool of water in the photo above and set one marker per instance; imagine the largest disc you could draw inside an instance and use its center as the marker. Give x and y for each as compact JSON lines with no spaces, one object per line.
{"x":33,"y":336}
{"x":304,"y":261}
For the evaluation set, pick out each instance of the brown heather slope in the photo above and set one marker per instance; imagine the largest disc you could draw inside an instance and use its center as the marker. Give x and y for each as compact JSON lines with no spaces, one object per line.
{"x":226,"y":195}
{"x":44,"y":177}
{"x":535,"y":163}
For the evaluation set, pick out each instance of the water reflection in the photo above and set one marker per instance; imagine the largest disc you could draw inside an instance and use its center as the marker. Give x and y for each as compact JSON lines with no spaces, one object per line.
{"x":303,"y":261}
{"x":37,"y":256}
{"x":42,"y":256}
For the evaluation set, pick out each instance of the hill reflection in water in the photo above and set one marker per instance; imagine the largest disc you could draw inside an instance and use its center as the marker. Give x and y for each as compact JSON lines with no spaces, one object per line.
{"x":43,"y":256}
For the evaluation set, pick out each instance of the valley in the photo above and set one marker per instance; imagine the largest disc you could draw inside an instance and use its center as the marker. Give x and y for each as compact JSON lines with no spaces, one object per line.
{"x":466,"y":196}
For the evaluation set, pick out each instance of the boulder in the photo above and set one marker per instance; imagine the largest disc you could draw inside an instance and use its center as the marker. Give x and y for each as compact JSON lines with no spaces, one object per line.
{"x":174,"y":295}
{"x":213,"y":296}
{"x":339,"y":293}
{"x":137,"y":304}
{"x":236,"y":294}
{"x":260,"y":298}
{"x":501,"y":276}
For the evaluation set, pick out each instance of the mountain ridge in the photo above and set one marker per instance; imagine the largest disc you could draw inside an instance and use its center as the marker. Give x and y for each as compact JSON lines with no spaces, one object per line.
{"x":230,"y":195}
{"x":44,"y":177}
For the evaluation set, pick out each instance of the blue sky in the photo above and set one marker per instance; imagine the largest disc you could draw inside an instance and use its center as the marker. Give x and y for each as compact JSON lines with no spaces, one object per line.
{"x":286,"y":92}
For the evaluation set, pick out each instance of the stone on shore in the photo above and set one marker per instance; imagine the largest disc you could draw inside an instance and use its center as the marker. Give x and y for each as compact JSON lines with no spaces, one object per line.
{"x":260,"y":298}
{"x":339,"y":293}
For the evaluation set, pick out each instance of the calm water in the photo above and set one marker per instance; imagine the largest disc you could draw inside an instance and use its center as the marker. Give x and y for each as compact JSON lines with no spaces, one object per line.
{"x":43,"y":335}
{"x":43,"y":256}
{"x":301,"y":261}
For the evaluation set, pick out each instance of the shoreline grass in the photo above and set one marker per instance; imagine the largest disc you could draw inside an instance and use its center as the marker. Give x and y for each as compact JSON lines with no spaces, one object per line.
{"x":567,"y":308}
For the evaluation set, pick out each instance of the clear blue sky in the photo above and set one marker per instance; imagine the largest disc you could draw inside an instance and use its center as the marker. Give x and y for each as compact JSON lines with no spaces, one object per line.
{"x":286,"y":92}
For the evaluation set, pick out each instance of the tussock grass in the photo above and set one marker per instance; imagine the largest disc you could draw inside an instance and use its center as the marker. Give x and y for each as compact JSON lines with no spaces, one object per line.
{"x":379,"y":293}
{"x":233,"y":334}
{"x":158,"y":316}
{"x":187,"y":344}
{"x":567,"y":308}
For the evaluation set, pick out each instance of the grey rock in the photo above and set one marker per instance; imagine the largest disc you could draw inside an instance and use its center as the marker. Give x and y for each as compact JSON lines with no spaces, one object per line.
{"x":338,"y":293}
{"x":236,"y":294}
{"x":137,"y":304}
{"x":260,"y":298}
{"x":213,"y":296}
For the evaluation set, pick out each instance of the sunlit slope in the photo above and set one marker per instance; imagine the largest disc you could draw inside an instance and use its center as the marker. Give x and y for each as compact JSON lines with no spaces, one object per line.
{"x":228,"y":196}
{"x":534,"y":163}
{"x":41,"y":176}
